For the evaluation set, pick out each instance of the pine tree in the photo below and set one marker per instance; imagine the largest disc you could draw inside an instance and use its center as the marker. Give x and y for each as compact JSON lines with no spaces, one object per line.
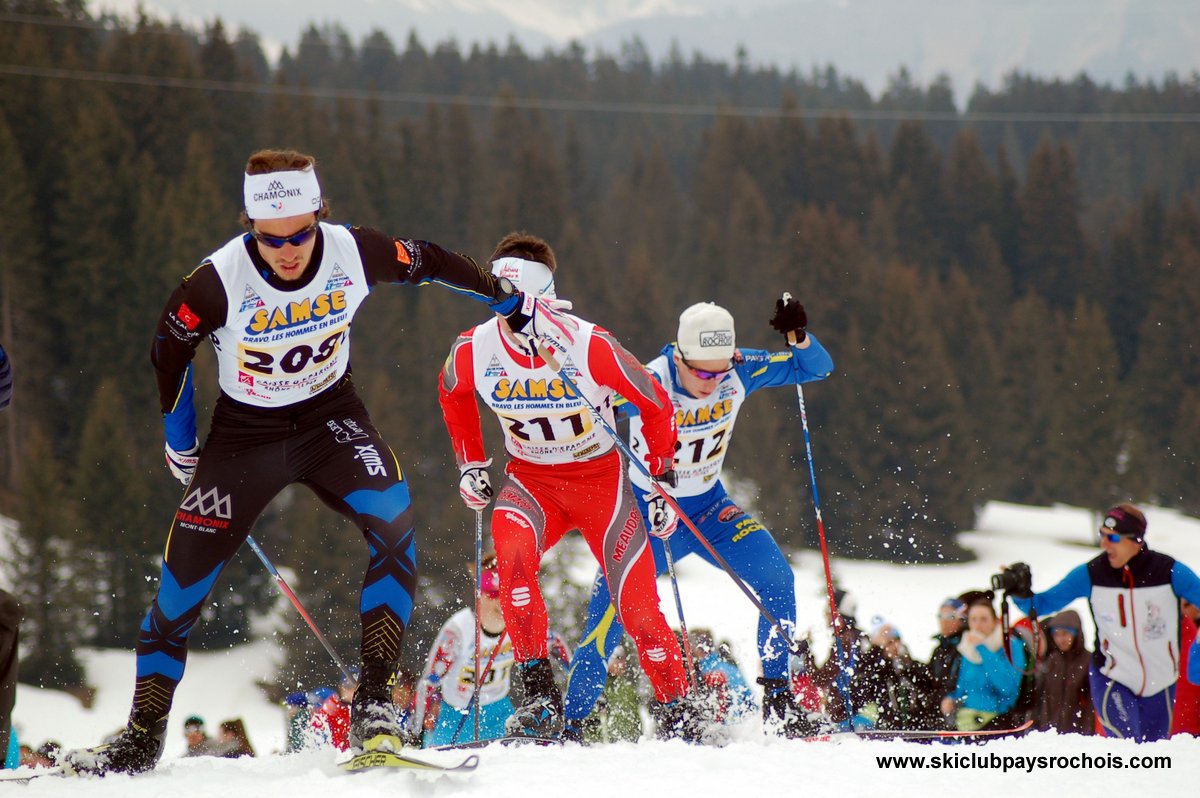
{"x":117,"y":527}
{"x":1088,"y":415}
{"x":42,"y":569}
{"x":1053,"y":254}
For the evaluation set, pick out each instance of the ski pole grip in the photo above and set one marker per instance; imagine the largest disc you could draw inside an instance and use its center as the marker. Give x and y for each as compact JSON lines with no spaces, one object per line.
{"x":790,"y":335}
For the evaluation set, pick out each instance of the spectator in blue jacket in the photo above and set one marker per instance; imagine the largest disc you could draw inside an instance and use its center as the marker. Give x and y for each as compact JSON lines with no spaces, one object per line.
{"x":1134,"y":596}
{"x":988,"y":681}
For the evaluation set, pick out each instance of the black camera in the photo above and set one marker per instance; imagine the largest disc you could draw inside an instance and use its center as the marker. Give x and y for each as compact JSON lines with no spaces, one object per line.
{"x":1015,"y":579}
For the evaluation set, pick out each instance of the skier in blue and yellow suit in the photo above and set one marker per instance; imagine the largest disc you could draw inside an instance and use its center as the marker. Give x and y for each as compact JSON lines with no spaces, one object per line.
{"x":708,"y":379}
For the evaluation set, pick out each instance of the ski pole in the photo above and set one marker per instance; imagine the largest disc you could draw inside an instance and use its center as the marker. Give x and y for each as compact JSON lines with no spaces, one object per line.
{"x":474,"y":703}
{"x":478,"y":606}
{"x":687,"y":642}
{"x":793,"y":646}
{"x":834,"y":616}
{"x":287,"y":591}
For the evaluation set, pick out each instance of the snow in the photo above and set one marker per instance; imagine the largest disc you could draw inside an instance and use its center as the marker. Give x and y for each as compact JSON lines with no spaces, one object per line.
{"x":1053,"y":540}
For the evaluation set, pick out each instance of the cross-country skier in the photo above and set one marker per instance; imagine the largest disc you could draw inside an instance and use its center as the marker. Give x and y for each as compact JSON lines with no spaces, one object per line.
{"x":564,"y":472}
{"x":449,"y":676}
{"x":277,"y":303}
{"x":708,"y":379}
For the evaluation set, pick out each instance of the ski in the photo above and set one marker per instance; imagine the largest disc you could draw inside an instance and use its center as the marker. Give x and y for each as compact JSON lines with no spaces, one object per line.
{"x":21,"y":776}
{"x":916,"y":734}
{"x":382,"y":758}
{"x":512,"y":739}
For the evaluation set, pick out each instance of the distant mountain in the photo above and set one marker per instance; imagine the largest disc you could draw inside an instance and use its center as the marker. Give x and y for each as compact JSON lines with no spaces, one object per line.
{"x":972,"y":41}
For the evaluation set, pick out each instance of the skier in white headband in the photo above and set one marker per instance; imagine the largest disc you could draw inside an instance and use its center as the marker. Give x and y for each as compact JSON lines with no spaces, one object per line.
{"x":278,"y":303}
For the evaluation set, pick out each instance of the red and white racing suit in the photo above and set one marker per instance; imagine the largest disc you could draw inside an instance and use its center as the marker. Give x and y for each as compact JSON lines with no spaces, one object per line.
{"x":565,"y":473}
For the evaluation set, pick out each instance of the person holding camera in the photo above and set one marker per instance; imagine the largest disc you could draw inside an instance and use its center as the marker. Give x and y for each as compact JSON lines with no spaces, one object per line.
{"x":1134,"y":596}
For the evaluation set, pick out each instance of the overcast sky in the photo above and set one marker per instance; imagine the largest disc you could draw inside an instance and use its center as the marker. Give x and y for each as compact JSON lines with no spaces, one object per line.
{"x":969,"y":40}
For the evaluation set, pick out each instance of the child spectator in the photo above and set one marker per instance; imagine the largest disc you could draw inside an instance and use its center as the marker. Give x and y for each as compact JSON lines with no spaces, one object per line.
{"x":1065,"y":702}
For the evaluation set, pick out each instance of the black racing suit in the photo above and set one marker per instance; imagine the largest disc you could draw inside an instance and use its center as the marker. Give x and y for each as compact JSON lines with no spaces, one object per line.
{"x":326,"y":442}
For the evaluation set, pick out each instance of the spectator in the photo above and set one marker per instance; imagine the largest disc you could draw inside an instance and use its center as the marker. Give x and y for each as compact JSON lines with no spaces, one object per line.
{"x":836,"y":677}
{"x":198,"y":741}
{"x":10,"y":625}
{"x":988,"y":683}
{"x":448,"y":681}
{"x":941,"y":673}
{"x":12,"y":754}
{"x":232,"y":740}
{"x":1064,"y":698}
{"x":331,"y":715}
{"x":1134,"y":596}
{"x":724,"y":686}
{"x":1186,"y":718}
{"x":617,"y":716}
{"x":945,"y":659}
{"x":297,"y":721}
{"x":893,"y":691}
{"x":404,"y":698}
{"x":45,"y":755}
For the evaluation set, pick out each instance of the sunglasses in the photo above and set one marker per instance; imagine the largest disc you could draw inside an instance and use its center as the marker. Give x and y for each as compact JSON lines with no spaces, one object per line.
{"x":278,"y":242}
{"x":704,"y":374}
{"x":950,"y":616}
{"x":1112,"y":537}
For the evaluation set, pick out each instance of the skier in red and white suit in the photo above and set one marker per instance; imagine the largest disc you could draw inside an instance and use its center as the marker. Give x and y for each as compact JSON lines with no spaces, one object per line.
{"x":564,"y":472}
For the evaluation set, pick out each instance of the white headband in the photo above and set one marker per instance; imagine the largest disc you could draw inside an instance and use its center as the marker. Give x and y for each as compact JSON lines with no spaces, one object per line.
{"x":277,"y":195}
{"x":529,"y":276}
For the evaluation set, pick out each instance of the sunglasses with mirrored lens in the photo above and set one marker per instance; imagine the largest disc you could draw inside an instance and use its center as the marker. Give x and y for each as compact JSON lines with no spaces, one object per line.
{"x":1112,"y":537}
{"x":704,"y":374}
{"x":278,"y":242}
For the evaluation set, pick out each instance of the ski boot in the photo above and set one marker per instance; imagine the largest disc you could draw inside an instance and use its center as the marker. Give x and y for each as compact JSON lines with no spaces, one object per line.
{"x":573,"y":732}
{"x":680,"y":719}
{"x":374,"y":721}
{"x":541,"y":711}
{"x":135,"y":750}
{"x":782,"y":714}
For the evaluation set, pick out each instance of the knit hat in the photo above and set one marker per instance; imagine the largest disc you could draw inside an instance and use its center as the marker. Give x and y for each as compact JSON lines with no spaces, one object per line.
{"x":705,"y":333}
{"x":1123,"y":522}
{"x":958,"y":606}
{"x":881,"y":630}
{"x":847,"y":606}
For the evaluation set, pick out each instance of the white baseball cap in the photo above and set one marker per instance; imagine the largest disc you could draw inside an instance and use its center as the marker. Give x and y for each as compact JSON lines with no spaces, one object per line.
{"x":705,"y":333}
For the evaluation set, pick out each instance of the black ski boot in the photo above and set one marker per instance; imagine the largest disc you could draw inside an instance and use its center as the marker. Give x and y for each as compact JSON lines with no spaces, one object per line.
{"x":135,"y":750}
{"x":781,"y":713}
{"x":678,"y":720}
{"x":374,"y":721}
{"x":541,"y":711}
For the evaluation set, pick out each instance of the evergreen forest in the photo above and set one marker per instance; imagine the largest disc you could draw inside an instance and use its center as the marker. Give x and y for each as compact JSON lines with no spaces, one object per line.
{"x":1008,"y":289}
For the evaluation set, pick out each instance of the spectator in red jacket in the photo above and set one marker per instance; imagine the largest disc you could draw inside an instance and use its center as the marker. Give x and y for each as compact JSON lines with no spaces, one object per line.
{"x":1186,"y":719}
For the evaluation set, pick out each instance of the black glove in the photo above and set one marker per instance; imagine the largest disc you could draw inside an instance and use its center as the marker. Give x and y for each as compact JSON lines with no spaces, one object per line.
{"x":790,"y":318}
{"x":668,"y":478}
